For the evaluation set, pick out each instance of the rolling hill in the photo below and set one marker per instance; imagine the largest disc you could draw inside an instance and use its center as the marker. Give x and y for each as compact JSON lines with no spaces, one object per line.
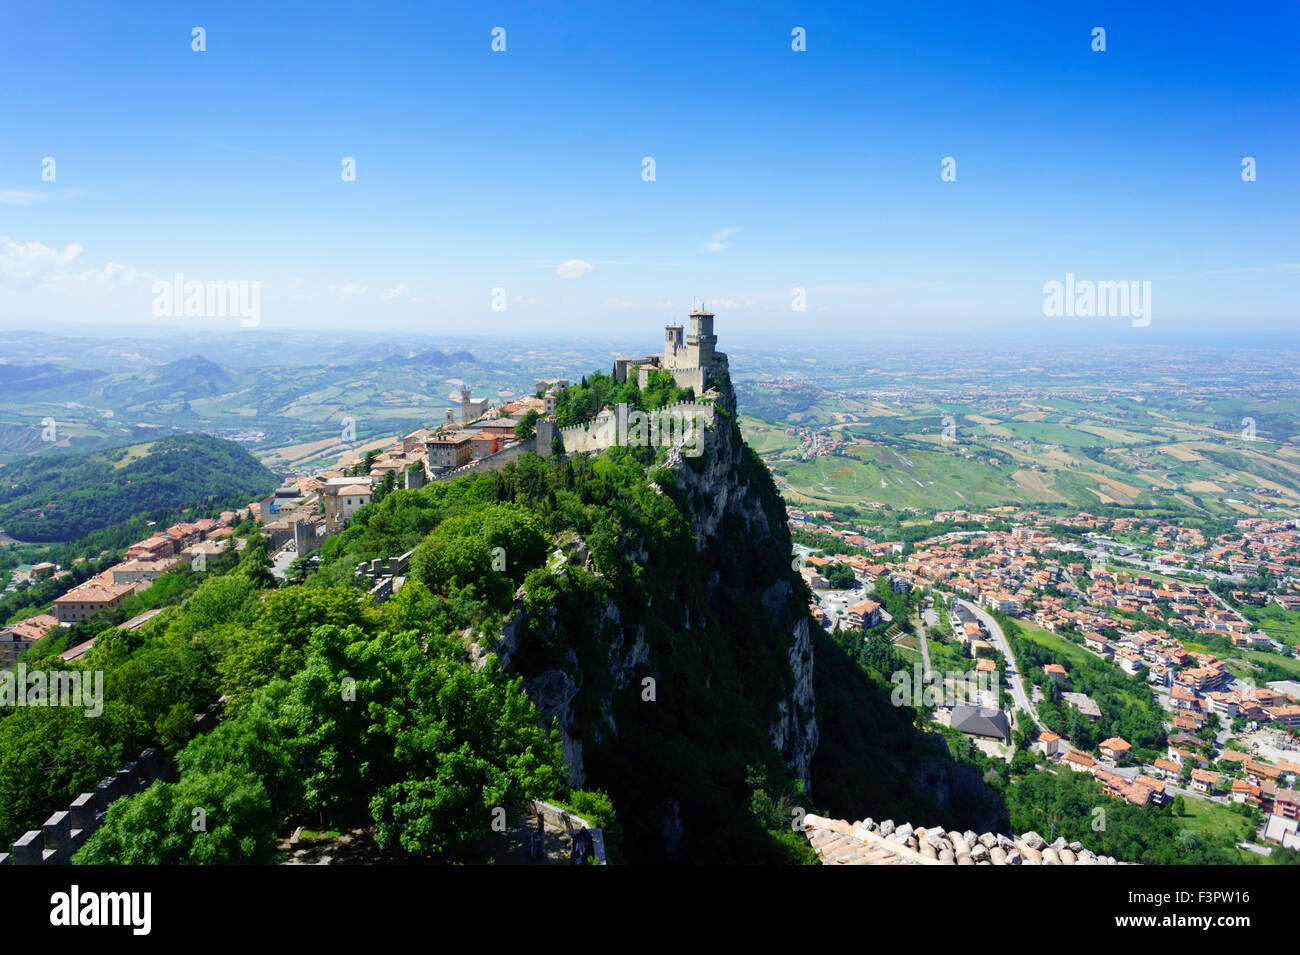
{"x":64,"y":496}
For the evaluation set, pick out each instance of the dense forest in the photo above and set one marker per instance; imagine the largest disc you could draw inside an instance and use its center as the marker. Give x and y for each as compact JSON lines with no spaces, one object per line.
{"x":62,"y":497}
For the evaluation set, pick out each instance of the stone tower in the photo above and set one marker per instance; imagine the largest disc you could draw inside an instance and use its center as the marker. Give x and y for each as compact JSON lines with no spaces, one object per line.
{"x":700,"y":342}
{"x":674,"y":349}
{"x":690,"y":358}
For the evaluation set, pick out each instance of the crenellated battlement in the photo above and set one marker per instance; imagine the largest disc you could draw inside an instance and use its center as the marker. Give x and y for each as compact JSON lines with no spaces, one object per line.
{"x":67,"y":830}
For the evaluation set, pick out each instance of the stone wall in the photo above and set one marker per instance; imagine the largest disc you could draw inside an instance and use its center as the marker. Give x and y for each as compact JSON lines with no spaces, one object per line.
{"x":593,"y":436}
{"x":553,"y":817}
{"x":67,"y":830}
{"x":492,"y":462}
{"x":388,"y":575}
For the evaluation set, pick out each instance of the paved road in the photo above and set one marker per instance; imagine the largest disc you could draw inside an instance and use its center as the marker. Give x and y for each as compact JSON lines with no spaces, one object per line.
{"x":281,"y":561}
{"x":1101,"y":551}
{"x":999,"y":640}
{"x":925,"y":649}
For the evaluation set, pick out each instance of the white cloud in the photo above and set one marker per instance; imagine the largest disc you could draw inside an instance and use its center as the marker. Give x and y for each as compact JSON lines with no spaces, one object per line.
{"x":718,"y":241}
{"x":574,"y":269}
{"x":113,"y":274}
{"x":400,"y":291}
{"x":347,"y":290}
{"x":32,"y":264}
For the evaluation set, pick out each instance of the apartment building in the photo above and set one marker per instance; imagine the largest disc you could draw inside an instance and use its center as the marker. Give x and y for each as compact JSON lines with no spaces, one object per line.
{"x":17,"y":637}
{"x":450,"y":449}
{"x":95,"y":595}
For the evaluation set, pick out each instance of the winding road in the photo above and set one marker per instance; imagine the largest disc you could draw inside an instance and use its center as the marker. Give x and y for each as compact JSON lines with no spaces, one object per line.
{"x":999,"y":640}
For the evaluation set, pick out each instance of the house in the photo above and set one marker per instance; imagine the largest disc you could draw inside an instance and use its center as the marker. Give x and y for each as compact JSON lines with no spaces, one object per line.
{"x":17,"y":637}
{"x":1084,"y":704}
{"x":1233,"y":756}
{"x":1080,"y":762}
{"x":142,"y":569}
{"x":1188,"y":722}
{"x":1184,"y":756}
{"x":1048,"y":743}
{"x":483,"y":445}
{"x":1114,"y":749}
{"x":152,"y":548}
{"x":1097,"y":644}
{"x":1055,"y":672}
{"x":1248,"y":793}
{"x":814,"y":580}
{"x":452,"y":449}
{"x":1205,"y":781}
{"x":1167,"y":767}
{"x":1288,"y":716}
{"x":980,"y":721}
{"x":1287,"y":804}
{"x":1182,"y":698}
{"x":1130,"y":661}
{"x":1156,"y":787}
{"x":1259,"y":772}
{"x":1139,"y":791}
{"x":864,"y":615}
{"x":87,"y":599}
{"x":1284,"y":830}
{"x":344,"y":496}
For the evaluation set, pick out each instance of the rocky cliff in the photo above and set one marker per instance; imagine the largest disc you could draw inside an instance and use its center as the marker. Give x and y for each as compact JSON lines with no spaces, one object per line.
{"x":671,"y":682}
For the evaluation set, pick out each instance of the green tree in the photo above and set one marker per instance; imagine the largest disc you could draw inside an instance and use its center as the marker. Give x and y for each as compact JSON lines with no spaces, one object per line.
{"x":256,"y":563}
{"x":527,"y":425}
{"x":217,"y":818}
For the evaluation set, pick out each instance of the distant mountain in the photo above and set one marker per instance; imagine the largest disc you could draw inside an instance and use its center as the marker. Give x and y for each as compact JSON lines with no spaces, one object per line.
{"x":431,"y":358}
{"x":57,"y":497}
{"x":180,"y":380}
{"x":42,"y":376}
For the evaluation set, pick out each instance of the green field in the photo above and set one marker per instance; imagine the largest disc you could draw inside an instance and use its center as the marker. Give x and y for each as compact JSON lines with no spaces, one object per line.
{"x":1180,"y":455}
{"x":1071,"y":652}
{"x":1279,"y":624}
{"x":1214,"y":820}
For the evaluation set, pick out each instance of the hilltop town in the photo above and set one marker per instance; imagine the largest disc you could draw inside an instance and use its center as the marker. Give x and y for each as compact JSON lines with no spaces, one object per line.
{"x":1048,"y":605}
{"x":306,"y":509}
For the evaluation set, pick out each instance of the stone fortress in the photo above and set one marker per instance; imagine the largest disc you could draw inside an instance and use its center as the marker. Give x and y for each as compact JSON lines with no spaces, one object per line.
{"x":692,"y":360}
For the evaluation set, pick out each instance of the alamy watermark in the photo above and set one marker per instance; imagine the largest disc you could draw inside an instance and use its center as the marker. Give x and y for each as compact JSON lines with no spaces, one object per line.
{"x":78,"y":688}
{"x":666,"y":428}
{"x":1087,"y":299}
{"x":181,"y":299}
{"x":915,"y":688}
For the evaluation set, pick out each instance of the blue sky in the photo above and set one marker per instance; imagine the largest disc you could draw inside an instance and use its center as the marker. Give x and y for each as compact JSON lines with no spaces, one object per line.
{"x":775,"y":169}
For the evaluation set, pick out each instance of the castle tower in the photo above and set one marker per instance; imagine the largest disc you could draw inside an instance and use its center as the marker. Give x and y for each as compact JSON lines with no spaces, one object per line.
{"x":700,"y":342}
{"x":674,"y":351}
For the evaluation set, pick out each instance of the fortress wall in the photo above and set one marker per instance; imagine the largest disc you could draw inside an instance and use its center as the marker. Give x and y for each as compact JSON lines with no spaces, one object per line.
{"x":588,"y":437}
{"x":67,"y":830}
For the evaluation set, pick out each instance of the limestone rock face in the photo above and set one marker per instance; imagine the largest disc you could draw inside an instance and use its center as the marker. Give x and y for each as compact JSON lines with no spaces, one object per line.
{"x":728,"y":503}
